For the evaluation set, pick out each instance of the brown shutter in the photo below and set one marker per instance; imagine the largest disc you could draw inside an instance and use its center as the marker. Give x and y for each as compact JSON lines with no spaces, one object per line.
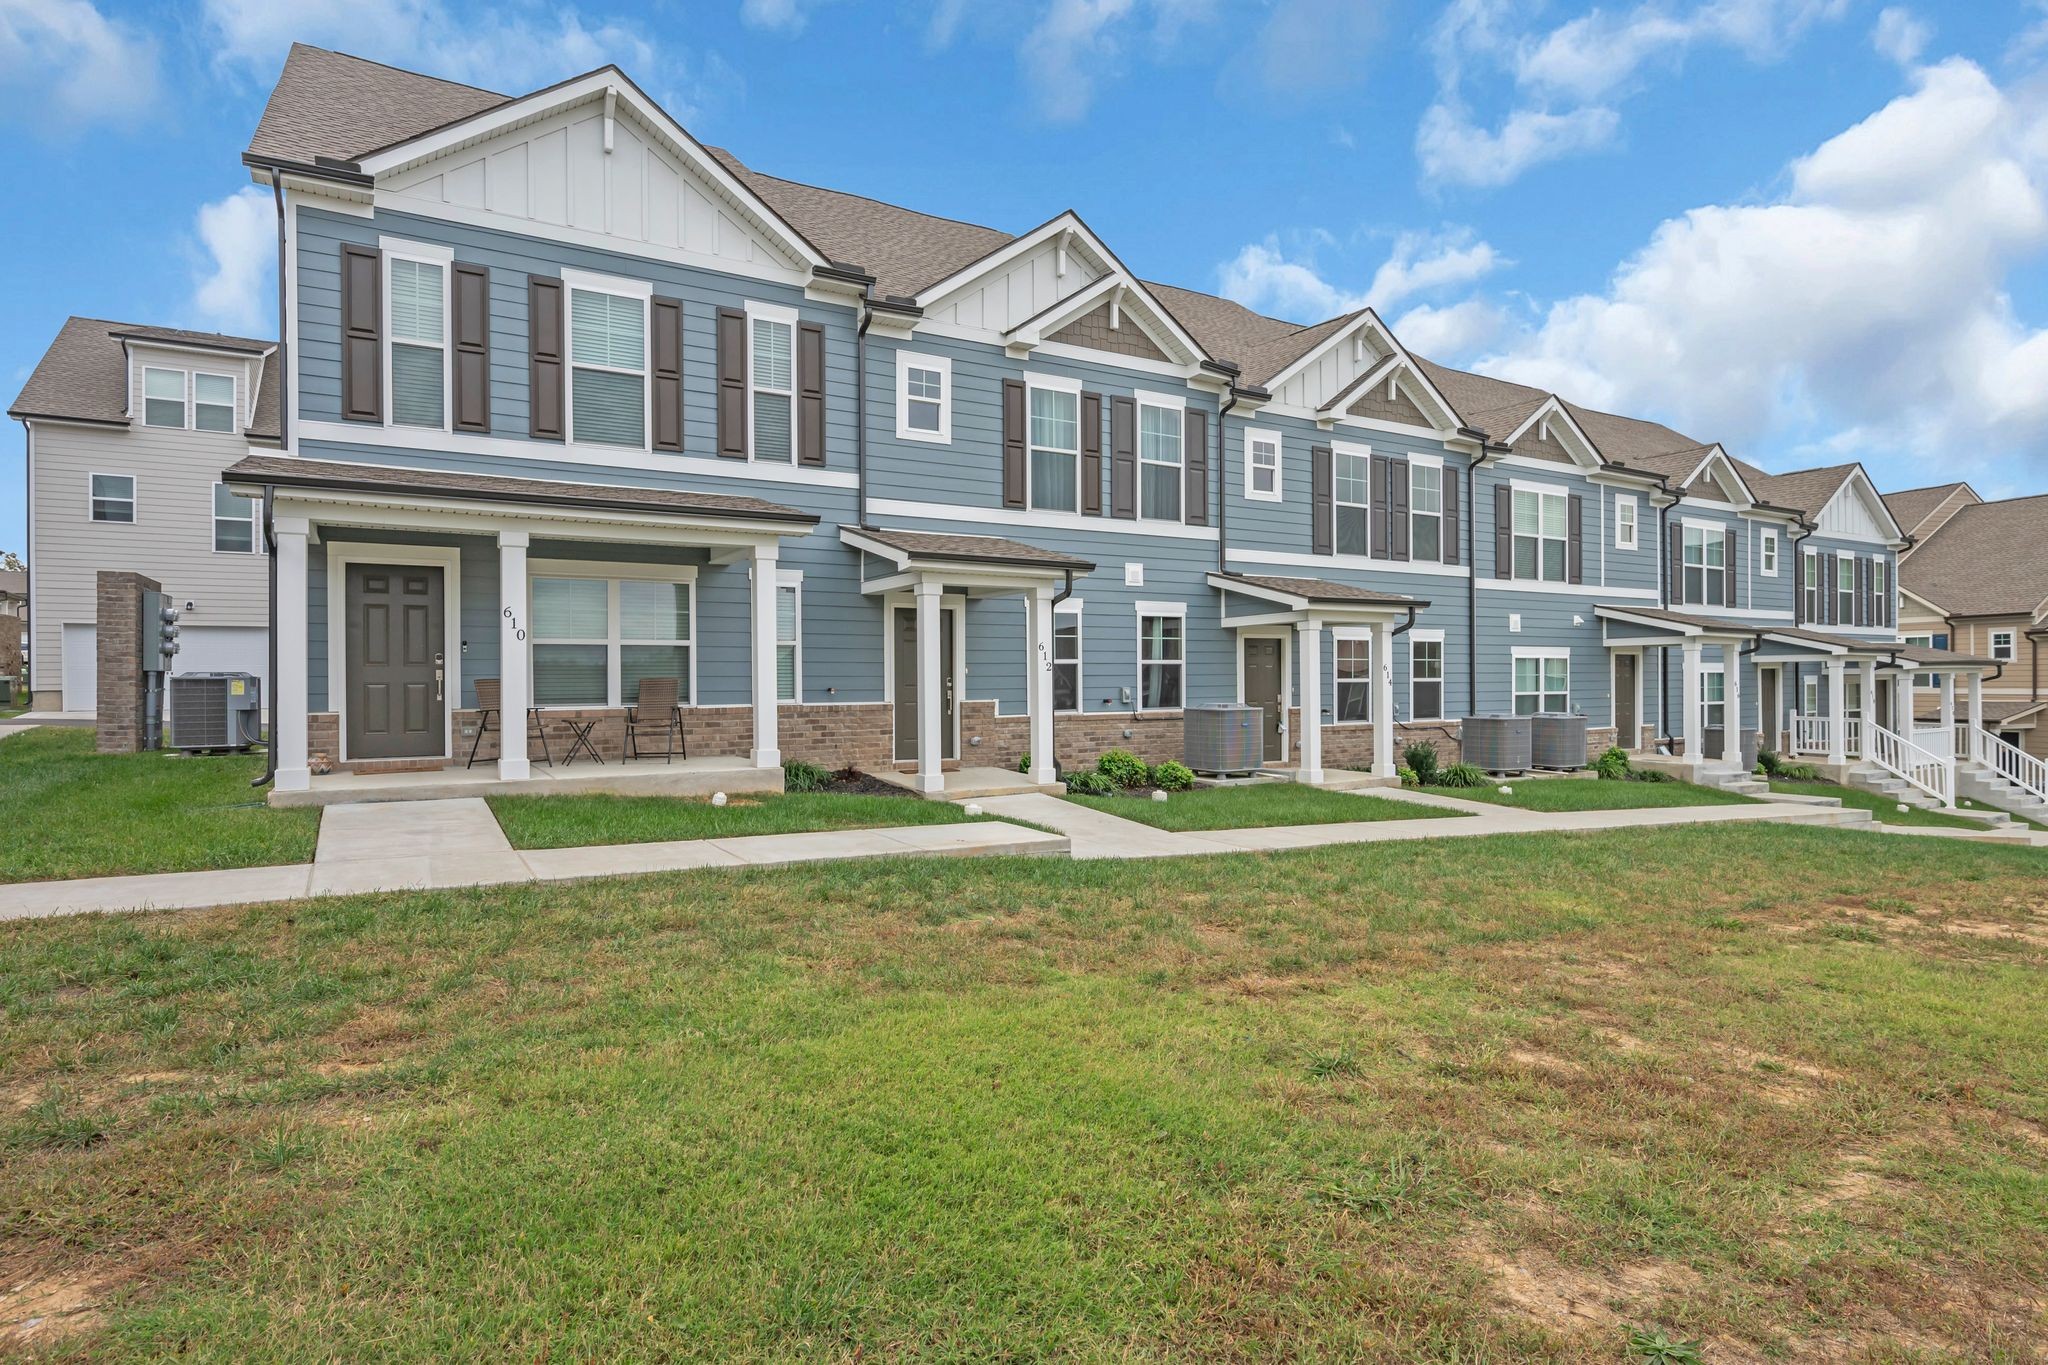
{"x":1503,"y":531}
{"x":810,"y":393}
{"x":1123,"y":457}
{"x":1016,"y":457}
{"x":1451,"y":516}
{"x":544,"y":363}
{"x":732,"y":384}
{"x":471,"y":333}
{"x":1091,"y":454}
{"x":1575,"y":540}
{"x":1323,"y":500}
{"x":1379,"y":538}
{"x":1676,"y":596}
{"x":1195,"y":461}
{"x":1397,"y":507}
{"x":667,"y":366}
{"x":1728,"y":568}
{"x":362,"y":335}
{"x":1798,"y":586}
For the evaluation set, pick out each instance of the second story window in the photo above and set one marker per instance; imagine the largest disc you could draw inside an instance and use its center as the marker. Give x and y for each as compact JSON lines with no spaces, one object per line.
{"x":1810,"y":588}
{"x":1159,"y":462}
{"x":772,"y":371}
{"x":1351,"y":501}
{"x":1768,"y":555}
{"x":234,"y":521}
{"x":163,"y":397}
{"x":2002,"y":646}
{"x":1425,"y":512}
{"x":1625,"y":528}
{"x":213,"y":402}
{"x":1880,"y":593}
{"x":1706,"y":567}
{"x":113,"y":497}
{"x":1262,"y":466}
{"x":924,"y":402}
{"x":1540,"y":529}
{"x":419,"y":354}
{"x":1845,"y":588}
{"x":608,"y":368}
{"x":1055,"y":449}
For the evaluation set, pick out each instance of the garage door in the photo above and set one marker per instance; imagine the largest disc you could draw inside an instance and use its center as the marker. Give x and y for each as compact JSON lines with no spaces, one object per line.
{"x":224,"y":649}
{"x":81,"y":667}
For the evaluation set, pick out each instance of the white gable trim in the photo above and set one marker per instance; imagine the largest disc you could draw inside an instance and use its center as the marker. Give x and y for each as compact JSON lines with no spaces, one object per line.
{"x":1128,"y":302}
{"x":1726,"y":476}
{"x":1580,"y":447}
{"x":1368,"y":324}
{"x":1063,"y":231}
{"x":1873,"y":503}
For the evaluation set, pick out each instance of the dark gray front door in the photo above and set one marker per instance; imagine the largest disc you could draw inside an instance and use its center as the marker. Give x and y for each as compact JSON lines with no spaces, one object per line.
{"x":1264,"y":686}
{"x":1628,"y":729}
{"x":1767,"y":684}
{"x":905,"y":634}
{"x":396,"y":675}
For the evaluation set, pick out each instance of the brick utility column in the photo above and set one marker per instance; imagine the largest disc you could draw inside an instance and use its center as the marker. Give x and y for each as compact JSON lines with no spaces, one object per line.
{"x":119,"y":639}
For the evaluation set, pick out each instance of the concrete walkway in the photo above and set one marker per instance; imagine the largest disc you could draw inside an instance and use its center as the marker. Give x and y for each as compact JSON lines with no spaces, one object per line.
{"x":13,"y":728}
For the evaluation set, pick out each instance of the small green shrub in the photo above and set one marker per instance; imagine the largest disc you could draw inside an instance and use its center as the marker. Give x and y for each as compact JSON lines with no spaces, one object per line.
{"x":1123,"y":767}
{"x":799,"y":776}
{"x":1172,"y":777}
{"x":1649,"y":775}
{"x":1089,"y":784}
{"x":1421,"y":759}
{"x":1613,"y":765}
{"x":1024,"y":763}
{"x":1408,"y":776}
{"x":1771,"y":761}
{"x":1463,"y":775}
{"x":1654,"y":1348}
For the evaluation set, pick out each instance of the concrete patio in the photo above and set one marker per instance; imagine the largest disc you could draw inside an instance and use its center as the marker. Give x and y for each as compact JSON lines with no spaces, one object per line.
{"x":628,"y":777}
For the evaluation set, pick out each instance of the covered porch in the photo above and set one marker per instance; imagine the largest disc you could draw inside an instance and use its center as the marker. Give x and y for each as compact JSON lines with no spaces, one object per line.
{"x":1713,"y":683}
{"x":441,"y":633}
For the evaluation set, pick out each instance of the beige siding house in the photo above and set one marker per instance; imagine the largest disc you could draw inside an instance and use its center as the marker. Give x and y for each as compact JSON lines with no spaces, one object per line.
{"x":128,"y":428}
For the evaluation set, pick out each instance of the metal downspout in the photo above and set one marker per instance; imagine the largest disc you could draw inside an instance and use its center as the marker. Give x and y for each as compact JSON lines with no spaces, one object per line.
{"x":860,"y":409}
{"x":1472,"y":585}
{"x":1223,"y":488}
{"x":1664,"y":653}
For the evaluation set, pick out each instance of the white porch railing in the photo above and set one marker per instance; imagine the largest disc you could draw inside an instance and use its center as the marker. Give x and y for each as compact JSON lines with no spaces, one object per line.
{"x":1852,"y":737}
{"x":1932,"y":773}
{"x":1810,"y":734}
{"x":1936,"y":740}
{"x":2015,"y":765}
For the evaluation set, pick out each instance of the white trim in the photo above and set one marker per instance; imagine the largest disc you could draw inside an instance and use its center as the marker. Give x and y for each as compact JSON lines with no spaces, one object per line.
{"x":1177,"y":405}
{"x":780,"y":314}
{"x":1539,"y":486}
{"x":1165,"y":609}
{"x":593,"y":282}
{"x":2011,"y":643}
{"x":1442,"y":680}
{"x":943,"y":365}
{"x":1768,"y":565}
{"x":558,"y":452}
{"x":1253,"y":435}
{"x":1548,"y":410}
{"x":1070,"y":386}
{"x":1149,"y":608}
{"x":1541,"y":586}
{"x":611,"y":573}
{"x":448,"y":559}
{"x":1635,"y":524}
{"x":442,"y":259}
{"x":784,"y":578}
{"x":214,"y":519}
{"x":1285,"y":635}
{"x":134,"y":501}
{"x":1070,"y":607}
{"x":1063,"y":521}
{"x":1360,"y":562}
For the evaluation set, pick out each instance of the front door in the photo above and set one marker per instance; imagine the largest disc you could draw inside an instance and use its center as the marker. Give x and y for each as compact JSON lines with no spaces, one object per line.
{"x":1628,"y":730}
{"x":397,"y":673}
{"x":1768,"y":706}
{"x":904,"y":633}
{"x":1265,"y":687}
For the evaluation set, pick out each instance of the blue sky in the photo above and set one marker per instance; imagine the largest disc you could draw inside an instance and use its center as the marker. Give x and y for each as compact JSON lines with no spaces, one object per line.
{"x":1815,"y":230}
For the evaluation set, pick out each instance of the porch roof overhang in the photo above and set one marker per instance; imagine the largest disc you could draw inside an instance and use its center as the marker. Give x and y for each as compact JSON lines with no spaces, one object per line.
{"x":977,"y":565}
{"x":1629,"y":626}
{"x":1284,"y":600}
{"x":1927,"y":658}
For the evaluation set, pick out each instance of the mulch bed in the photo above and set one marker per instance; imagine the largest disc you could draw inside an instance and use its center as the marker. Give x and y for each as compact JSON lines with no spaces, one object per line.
{"x":854,"y":782}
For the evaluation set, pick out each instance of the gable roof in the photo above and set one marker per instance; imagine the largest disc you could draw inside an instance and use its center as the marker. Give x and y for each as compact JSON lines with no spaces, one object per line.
{"x":1804,"y":490}
{"x":333,"y":105}
{"x":83,"y":377}
{"x":1989,"y":559}
{"x":1915,"y":505}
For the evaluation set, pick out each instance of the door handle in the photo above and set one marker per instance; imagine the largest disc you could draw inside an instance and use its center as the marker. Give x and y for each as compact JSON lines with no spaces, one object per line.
{"x":440,"y":673}
{"x":437,"y":684}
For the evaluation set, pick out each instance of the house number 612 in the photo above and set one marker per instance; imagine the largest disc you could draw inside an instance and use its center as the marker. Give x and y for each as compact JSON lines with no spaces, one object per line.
{"x":518,"y":631}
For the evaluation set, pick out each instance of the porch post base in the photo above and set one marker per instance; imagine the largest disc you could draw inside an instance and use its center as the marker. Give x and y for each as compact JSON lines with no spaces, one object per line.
{"x":767,"y":758}
{"x":292,"y":780}
{"x":514,"y":770}
{"x":931,"y":784}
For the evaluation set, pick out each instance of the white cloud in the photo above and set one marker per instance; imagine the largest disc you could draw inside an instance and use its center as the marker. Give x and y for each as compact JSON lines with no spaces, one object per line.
{"x":1266,"y":277}
{"x":235,"y":289}
{"x":1870,"y":301}
{"x":1452,"y":332}
{"x":1455,"y":150}
{"x":778,"y":16}
{"x":62,"y":62}
{"x":1422,"y":262}
{"x":1064,"y":54}
{"x":1313,"y":45}
{"x":1899,"y":37}
{"x":1261,"y":277}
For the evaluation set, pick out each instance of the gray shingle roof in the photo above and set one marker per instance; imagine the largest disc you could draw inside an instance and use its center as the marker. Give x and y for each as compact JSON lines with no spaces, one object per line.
{"x":1989,"y":559}
{"x":83,"y":377}
{"x":1915,"y":505}
{"x":331,"y":104}
{"x":1803,"y":490}
{"x":1323,"y":590}
{"x":968,"y":549}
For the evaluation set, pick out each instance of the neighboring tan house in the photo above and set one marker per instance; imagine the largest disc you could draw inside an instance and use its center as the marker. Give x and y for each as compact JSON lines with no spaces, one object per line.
{"x":1921,"y":512}
{"x":129,"y":427}
{"x":1979,"y":584}
{"x":13,"y":621}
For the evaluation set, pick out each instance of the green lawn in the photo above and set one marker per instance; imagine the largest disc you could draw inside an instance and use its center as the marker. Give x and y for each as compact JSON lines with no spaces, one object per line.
{"x":1882,"y":808}
{"x":571,"y":821}
{"x":1498,"y":1100}
{"x":1256,"y":806}
{"x":1567,"y":794}
{"x":66,"y":811}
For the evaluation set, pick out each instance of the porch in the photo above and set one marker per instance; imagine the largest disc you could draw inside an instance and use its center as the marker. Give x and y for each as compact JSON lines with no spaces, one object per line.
{"x":733,"y":775}
{"x":1879,"y":724}
{"x":1712,"y":719}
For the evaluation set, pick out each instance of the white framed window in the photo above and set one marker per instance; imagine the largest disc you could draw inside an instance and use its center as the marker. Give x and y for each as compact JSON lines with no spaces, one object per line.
{"x":599,"y":629}
{"x":1714,"y":697}
{"x":1161,"y":433}
{"x":771,"y":383}
{"x":1627,"y":536}
{"x":1425,"y":510}
{"x":1706,"y":565}
{"x":1540,"y":531}
{"x":789,"y":635}
{"x":1353,"y":658}
{"x":1845,"y":587}
{"x":1066,"y":656}
{"x":416,"y":281}
{"x":112,"y":497}
{"x":1767,"y":553}
{"x":1262,"y":465}
{"x":1054,"y":410}
{"x":1162,"y":655}
{"x":234,"y":521}
{"x":1880,"y":591}
{"x":608,"y":388}
{"x":1425,"y":675}
{"x":1811,"y":589}
{"x":163,"y":397}
{"x":2003,"y":645}
{"x":1351,"y":500}
{"x":213,"y":402}
{"x":1542,"y":681}
{"x":1927,"y":642}
{"x":924,"y":397}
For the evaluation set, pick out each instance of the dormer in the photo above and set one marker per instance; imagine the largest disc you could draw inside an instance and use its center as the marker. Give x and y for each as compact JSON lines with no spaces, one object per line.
{"x":1713,"y":478}
{"x":1549,"y":432}
{"x":1355,"y":372}
{"x":192,"y":386}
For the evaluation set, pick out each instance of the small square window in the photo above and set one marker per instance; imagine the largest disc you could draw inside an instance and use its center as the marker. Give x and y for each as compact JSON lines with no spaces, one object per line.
{"x":1769,"y":565}
{"x":1262,"y":466}
{"x":1625,"y":527}
{"x":234,"y":521}
{"x":2003,"y":645}
{"x":924,"y":398}
{"x":163,"y":398}
{"x":113,"y":497}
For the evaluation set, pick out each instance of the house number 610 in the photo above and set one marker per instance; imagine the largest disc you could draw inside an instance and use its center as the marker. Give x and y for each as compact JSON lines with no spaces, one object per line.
{"x":518,"y":631}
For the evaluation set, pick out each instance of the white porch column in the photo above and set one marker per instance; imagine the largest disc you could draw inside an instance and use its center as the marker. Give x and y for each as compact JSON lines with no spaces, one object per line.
{"x":1691,"y":713}
{"x":288,"y":688}
{"x":515,"y":668}
{"x":1903,"y":705}
{"x":1732,"y":732}
{"x":1308,"y":654}
{"x":931,"y":751}
{"x":1869,"y":705}
{"x":1838,"y":700}
{"x":1948,"y":706}
{"x":1383,"y":699}
{"x":767,"y":737}
{"x":1038,"y":680}
{"x":1976,"y":715}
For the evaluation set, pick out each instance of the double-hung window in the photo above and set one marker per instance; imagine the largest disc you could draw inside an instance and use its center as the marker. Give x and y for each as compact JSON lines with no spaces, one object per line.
{"x":1706,"y":565}
{"x":771,"y":383}
{"x":418,"y":292}
{"x":1066,"y":659}
{"x":213,"y":402}
{"x":1714,"y":698}
{"x":1262,"y":466}
{"x":1160,"y":434}
{"x":1162,"y":659}
{"x":924,"y":402}
{"x":1768,"y":554}
{"x":1542,"y":682}
{"x":1425,"y":511}
{"x":2002,"y":645}
{"x":234,"y":521}
{"x":1927,"y":642}
{"x":1055,"y":449}
{"x":1425,"y":677}
{"x":1351,"y":498}
{"x":595,"y":638}
{"x":789,"y":589}
{"x":163,"y":397}
{"x":1626,"y":528}
{"x":607,"y":365}
{"x":1811,"y":588}
{"x":1845,"y":588}
{"x":113,"y":497}
{"x":1354,"y":678}
{"x":1540,"y":528}
{"x":1880,"y":592}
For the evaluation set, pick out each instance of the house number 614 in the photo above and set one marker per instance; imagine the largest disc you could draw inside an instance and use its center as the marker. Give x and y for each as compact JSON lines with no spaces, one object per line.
{"x":518,"y":631}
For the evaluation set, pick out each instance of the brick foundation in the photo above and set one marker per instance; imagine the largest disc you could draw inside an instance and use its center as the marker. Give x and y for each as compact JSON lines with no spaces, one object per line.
{"x":118,"y":615}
